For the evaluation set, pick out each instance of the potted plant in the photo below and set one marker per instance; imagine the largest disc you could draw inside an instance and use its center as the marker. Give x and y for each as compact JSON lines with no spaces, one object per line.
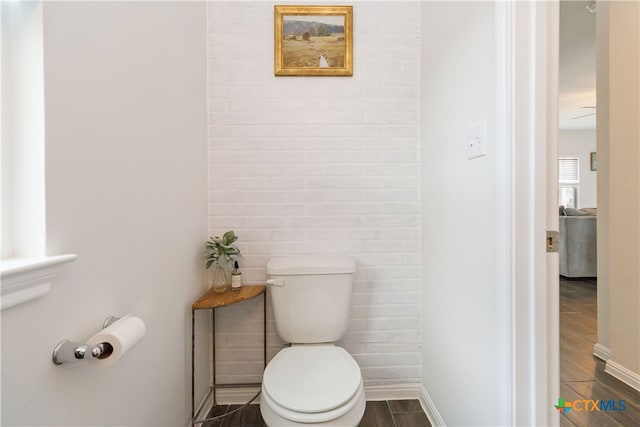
{"x":221,"y":251}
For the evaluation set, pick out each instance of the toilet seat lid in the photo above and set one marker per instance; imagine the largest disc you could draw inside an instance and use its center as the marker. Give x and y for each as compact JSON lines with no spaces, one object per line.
{"x":311,"y":378}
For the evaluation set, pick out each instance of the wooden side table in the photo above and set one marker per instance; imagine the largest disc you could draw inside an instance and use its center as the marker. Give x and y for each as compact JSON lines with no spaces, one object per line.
{"x":210,"y":301}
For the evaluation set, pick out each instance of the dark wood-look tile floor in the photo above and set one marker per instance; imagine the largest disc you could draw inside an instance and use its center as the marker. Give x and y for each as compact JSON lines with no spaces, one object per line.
{"x":391,"y":413}
{"x":394,"y":413}
{"x":582,"y":375}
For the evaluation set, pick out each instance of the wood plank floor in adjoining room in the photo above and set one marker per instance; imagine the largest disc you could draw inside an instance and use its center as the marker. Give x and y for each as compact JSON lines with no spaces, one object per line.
{"x":582,"y":375}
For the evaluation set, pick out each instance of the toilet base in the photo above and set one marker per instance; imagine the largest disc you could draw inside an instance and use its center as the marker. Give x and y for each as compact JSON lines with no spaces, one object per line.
{"x":350,"y":419}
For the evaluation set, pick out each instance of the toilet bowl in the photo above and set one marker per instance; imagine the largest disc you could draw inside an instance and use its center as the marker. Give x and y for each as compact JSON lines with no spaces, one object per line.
{"x":312,"y":384}
{"x":313,"y":381}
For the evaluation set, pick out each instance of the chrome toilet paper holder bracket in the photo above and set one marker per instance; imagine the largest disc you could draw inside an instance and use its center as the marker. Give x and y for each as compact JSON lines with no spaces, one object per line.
{"x":66,"y":351}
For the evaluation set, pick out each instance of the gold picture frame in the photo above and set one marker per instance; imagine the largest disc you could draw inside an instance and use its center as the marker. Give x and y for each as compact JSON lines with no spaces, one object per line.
{"x":309,"y":41}
{"x":594,"y":162}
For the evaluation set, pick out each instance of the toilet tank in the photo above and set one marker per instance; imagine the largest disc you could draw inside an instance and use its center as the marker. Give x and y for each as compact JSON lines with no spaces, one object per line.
{"x":311,"y":297}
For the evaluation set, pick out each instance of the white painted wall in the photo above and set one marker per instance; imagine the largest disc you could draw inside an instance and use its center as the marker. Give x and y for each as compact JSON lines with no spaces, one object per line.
{"x":602,"y":137}
{"x":321,"y":165}
{"x":126,"y":190}
{"x":581,"y":143}
{"x":618,"y":188}
{"x":624,"y":191}
{"x":460,"y":290}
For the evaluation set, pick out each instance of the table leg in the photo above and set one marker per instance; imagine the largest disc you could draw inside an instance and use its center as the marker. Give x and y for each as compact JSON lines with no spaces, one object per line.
{"x":264,"y":331}
{"x":213,"y":351}
{"x":193,"y":385}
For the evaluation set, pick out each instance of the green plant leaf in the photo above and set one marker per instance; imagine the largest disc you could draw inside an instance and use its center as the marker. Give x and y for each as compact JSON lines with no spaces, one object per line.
{"x":228,"y":238}
{"x":222,"y":250}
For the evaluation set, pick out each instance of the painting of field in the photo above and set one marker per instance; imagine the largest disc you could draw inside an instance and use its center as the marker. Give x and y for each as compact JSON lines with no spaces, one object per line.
{"x":310,"y":53}
{"x":313,"y":40}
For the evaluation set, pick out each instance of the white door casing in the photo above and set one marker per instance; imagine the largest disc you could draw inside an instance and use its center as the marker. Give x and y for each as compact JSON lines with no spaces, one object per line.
{"x":527,"y":72}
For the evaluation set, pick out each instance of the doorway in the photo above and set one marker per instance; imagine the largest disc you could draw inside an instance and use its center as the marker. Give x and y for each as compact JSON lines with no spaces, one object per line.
{"x":577,"y":190}
{"x":584,"y":301}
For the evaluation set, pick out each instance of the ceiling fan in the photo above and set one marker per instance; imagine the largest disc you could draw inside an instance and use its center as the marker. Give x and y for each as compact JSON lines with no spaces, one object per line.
{"x":585,"y":115}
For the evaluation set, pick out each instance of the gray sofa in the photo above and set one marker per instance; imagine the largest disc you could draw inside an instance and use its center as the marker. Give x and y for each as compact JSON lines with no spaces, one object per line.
{"x":578,"y":243}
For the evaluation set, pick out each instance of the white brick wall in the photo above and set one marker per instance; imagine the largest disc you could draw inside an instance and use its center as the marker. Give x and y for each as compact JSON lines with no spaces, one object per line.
{"x":320,"y":165}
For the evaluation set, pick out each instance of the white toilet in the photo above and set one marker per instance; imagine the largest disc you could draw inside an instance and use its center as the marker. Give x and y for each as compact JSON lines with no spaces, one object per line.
{"x":313,"y":381}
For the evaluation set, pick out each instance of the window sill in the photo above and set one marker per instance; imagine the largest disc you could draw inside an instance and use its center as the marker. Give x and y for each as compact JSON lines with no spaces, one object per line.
{"x":25,"y":279}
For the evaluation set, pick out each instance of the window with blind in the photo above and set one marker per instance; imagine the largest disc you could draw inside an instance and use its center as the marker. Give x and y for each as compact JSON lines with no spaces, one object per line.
{"x":569,"y":180}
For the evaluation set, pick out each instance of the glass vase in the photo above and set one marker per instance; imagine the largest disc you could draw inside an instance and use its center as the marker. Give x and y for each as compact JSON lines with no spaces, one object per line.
{"x":219,"y":281}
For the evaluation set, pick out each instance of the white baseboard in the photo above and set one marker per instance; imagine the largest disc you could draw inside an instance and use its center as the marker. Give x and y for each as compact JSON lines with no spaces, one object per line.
{"x":417,"y":391}
{"x":392,"y":391}
{"x":601,"y":352}
{"x":407,"y":391}
{"x":430,"y":408}
{"x":205,"y":404}
{"x":236,"y":396}
{"x":225,"y":396}
{"x":625,"y":375}
{"x":372,"y":392}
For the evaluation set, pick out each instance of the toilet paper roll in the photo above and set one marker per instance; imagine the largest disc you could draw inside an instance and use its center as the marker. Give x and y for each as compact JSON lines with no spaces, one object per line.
{"x":118,"y":338}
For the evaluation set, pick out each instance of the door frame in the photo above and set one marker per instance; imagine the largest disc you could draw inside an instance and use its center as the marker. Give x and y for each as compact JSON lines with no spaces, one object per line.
{"x":527,"y":36}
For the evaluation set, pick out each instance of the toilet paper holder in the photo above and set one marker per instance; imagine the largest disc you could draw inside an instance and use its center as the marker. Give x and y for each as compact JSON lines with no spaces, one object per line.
{"x":66,"y":351}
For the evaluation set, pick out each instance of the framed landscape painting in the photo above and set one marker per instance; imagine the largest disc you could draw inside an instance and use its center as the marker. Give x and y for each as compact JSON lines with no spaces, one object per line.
{"x":313,"y":40}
